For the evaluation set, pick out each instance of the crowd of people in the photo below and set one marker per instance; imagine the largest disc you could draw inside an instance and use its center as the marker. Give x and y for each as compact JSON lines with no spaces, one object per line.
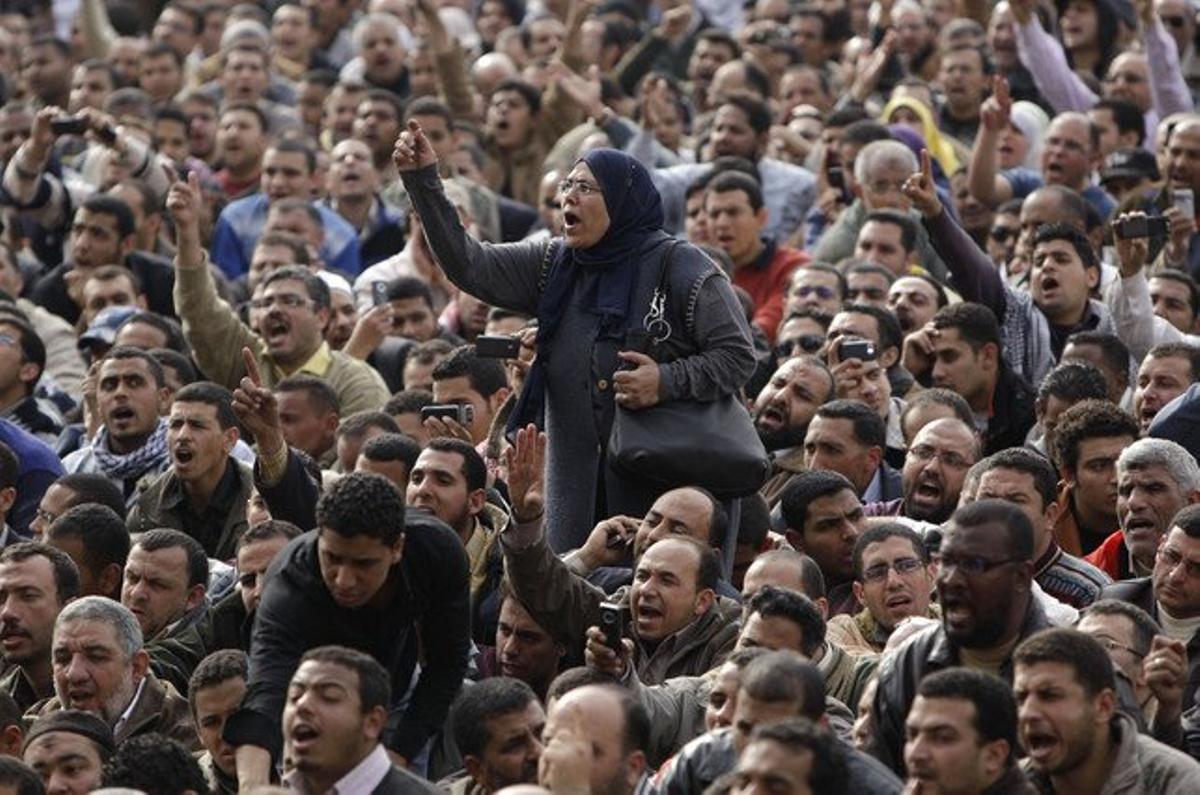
{"x":336,"y":337}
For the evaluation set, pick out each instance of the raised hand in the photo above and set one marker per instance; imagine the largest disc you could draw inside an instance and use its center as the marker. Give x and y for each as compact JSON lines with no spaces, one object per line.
{"x":257,"y":408}
{"x":996,"y":113}
{"x":585,"y":91}
{"x":920,"y":190}
{"x":609,"y":542}
{"x":1166,"y":672}
{"x":601,"y":657}
{"x":413,"y":150}
{"x":918,"y":350}
{"x":1132,"y":252}
{"x":183,"y":203}
{"x":675,"y":22}
{"x":526,"y":464}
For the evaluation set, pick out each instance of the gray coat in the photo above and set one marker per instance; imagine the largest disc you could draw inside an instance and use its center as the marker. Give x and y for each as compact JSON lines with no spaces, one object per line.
{"x":708,"y":356}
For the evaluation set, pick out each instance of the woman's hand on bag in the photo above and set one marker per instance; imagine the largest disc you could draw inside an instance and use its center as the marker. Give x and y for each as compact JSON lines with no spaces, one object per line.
{"x":636,"y":388}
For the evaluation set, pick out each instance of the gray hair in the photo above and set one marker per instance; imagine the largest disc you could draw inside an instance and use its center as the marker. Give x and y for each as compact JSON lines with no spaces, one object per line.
{"x":1179,"y":463}
{"x":378,"y":18}
{"x":106,"y":611}
{"x":879,"y":154}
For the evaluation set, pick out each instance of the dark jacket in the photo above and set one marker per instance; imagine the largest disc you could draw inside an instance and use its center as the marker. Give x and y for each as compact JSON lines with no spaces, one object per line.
{"x":155,"y":273}
{"x":227,"y":626}
{"x":1140,"y":592}
{"x":401,"y":782}
{"x":1012,"y":413}
{"x":294,"y":498}
{"x":903,"y":669}
{"x":164,"y":504}
{"x":429,"y":610}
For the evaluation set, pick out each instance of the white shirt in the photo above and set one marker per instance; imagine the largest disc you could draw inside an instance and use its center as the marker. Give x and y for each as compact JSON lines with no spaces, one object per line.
{"x":365,"y":776}
{"x":121,"y":721}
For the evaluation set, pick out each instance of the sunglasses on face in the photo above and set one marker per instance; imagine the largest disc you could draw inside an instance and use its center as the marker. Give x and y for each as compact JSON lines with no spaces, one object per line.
{"x":808,"y":343}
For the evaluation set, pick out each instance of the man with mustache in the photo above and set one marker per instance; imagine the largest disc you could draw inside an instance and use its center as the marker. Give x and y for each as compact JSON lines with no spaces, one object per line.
{"x":498,"y":730}
{"x":984,"y":586}
{"x":1165,"y":374}
{"x":934,"y":470}
{"x":36,"y":582}
{"x":782,"y":412}
{"x":1156,"y":478}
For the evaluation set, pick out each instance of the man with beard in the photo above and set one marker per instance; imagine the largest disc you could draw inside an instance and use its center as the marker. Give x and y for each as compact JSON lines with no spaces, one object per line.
{"x":824,"y":519}
{"x":893,"y":580}
{"x":984,"y":586}
{"x":1171,"y":596}
{"x":1156,"y":479}
{"x":36,"y":582}
{"x":782,"y":412}
{"x":915,"y":300}
{"x":1025,"y":479}
{"x":203,"y":494}
{"x":934,"y":471}
{"x":1069,"y":724}
{"x":498,"y":730}
{"x":131,"y":445}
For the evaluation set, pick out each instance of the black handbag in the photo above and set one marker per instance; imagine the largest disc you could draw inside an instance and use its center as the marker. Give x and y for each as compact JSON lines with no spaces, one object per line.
{"x":686,"y":442}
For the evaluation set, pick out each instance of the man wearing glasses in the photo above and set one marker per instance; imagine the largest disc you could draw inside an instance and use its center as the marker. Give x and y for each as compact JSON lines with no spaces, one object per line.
{"x":292,"y":313}
{"x":893,"y":580}
{"x":985,"y":588}
{"x":1171,"y":595}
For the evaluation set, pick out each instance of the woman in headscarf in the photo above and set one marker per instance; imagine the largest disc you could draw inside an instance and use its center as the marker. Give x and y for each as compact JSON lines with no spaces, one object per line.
{"x":591,"y":291}
{"x":913,"y":113}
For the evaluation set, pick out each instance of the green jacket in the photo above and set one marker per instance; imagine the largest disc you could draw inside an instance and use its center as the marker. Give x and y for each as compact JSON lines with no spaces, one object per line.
{"x":161,"y":505}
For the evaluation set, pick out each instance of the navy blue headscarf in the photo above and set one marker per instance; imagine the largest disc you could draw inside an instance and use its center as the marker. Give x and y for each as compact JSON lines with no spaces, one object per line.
{"x":608,"y":270}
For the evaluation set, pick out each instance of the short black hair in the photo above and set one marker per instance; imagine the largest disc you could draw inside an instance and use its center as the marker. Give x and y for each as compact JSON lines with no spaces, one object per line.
{"x":1004,"y":514}
{"x":756,"y":110}
{"x":1179,"y":277}
{"x":362,"y":504}
{"x":1089,"y":419}
{"x":908,"y":227}
{"x":1177,"y":350}
{"x":1188,"y":520}
{"x":92,"y":487}
{"x":575,"y":678}
{"x":1144,"y":625}
{"x":408,"y":401}
{"x":33,"y":350}
{"x":167,"y":538}
{"x":184,"y":369}
{"x":22,"y":778}
{"x":868,"y":427}
{"x":319,"y":393}
{"x":212,"y":395}
{"x":730,"y":181}
{"x":107,"y":204}
{"x":864,"y":132}
{"x":245,"y":107}
{"x":267,"y":530}
{"x":156,"y":765}
{"x":528,"y":93}
{"x":129,"y":352}
{"x":975,"y":323}
{"x":215,"y":669}
{"x":992,"y":697}
{"x":66,"y":574}
{"x":474,"y":470}
{"x":1047,"y":233}
{"x":169,"y":328}
{"x":772,"y":602}
{"x":358,"y":423}
{"x":1090,"y":661}
{"x":396,"y":447}
{"x":1022,"y":459}
{"x":314,"y":285}
{"x":1073,"y":381}
{"x":478,"y":703}
{"x":890,"y":333}
{"x":374,"y":684}
{"x":882,"y":532}
{"x":1126,"y":116}
{"x":784,"y":676}
{"x":1113,"y":350}
{"x":486,"y":376}
{"x":828,"y":771}
{"x":429,"y":106}
{"x":100,"y":530}
{"x":403,"y":288}
{"x":805,"y":487}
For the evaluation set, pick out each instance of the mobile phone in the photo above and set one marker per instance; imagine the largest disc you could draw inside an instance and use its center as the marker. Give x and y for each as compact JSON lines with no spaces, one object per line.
{"x":379,"y":293}
{"x":1143,"y":226}
{"x":107,"y":135}
{"x":497,"y":346}
{"x":856,"y":348}
{"x":459,"y":412}
{"x":612,"y":623}
{"x":69,"y":125}
{"x":1185,"y":200}
{"x":835,"y":175}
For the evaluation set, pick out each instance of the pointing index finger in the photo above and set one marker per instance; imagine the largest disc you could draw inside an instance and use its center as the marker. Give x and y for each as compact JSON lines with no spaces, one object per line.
{"x":927,"y":167}
{"x":252,"y":371}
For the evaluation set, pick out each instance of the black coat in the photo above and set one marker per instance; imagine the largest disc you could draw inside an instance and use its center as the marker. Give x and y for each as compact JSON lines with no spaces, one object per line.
{"x":430,"y":608}
{"x":155,"y":273}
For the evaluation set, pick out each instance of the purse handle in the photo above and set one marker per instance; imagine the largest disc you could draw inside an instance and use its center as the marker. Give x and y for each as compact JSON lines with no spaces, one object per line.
{"x":655,"y":322}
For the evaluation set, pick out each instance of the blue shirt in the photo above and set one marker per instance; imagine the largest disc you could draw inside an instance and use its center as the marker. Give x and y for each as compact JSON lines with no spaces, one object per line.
{"x":241,"y":224}
{"x":1025,"y":181}
{"x":37,"y":468}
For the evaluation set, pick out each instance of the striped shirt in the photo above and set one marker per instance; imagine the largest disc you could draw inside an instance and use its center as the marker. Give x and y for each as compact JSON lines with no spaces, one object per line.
{"x":1069,"y":579}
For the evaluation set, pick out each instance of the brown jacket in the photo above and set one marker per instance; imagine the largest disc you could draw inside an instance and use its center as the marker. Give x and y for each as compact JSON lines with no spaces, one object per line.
{"x":782,"y":470}
{"x":159,"y":710}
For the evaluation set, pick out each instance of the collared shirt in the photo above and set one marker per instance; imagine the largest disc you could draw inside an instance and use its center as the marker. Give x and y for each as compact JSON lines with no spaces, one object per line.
{"x":874,"y":492}
{"x":365,"y":776}
{"x":317,"y":364}
{"x":205,"y":526}
{"x":125,"y":716}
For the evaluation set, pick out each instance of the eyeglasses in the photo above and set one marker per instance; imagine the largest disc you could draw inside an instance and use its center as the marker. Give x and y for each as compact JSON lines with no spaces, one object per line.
{"x":809,"y":343}
{"x":44,"y":516}
{"x":971,"y":565}
{"x":924,"y":452}
{"x":1002,"y":234}
{"x":1113,"y":645}
{"x":578,"y":185}
{"x":901,"y":566}
{"x":820,"y":291}
{"x":1173,"y":557}
{"x":285,"y":300}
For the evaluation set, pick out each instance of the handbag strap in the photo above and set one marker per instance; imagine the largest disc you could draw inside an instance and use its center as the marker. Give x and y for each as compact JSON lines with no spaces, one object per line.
{"x":655,"y":322}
